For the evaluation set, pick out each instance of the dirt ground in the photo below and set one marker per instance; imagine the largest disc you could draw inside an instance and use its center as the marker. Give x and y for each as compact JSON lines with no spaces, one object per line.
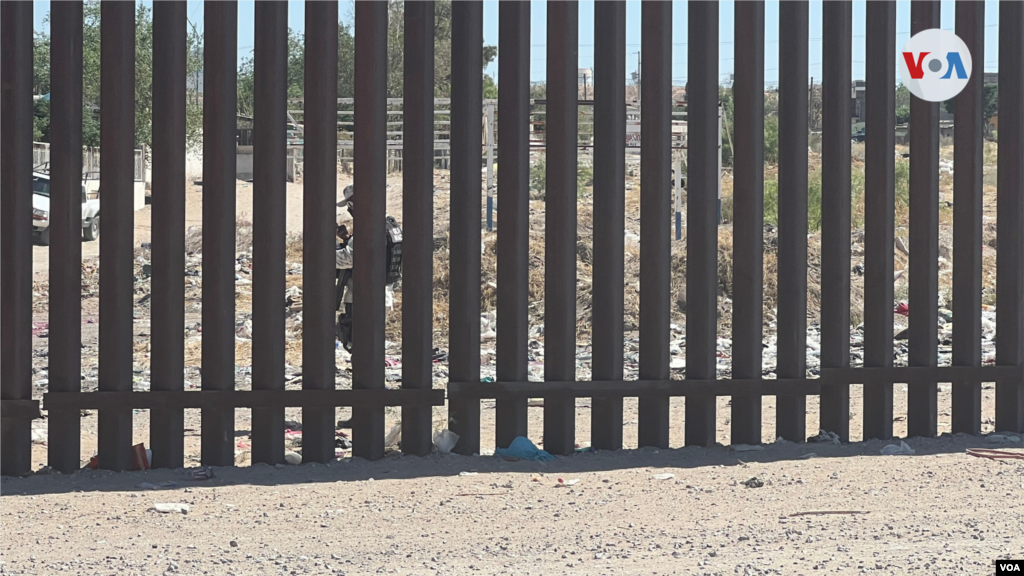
{"x":938,"y":512}
{"x":194,"y":217}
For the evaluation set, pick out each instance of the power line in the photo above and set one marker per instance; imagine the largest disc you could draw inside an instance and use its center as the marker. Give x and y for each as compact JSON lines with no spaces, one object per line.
{"x":731,"y":42}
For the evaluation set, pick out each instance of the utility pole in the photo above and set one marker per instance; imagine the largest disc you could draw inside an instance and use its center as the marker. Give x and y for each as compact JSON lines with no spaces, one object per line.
{"x":489,"y":140}
{"x":810,"y":105}
{"x":638,"y":72}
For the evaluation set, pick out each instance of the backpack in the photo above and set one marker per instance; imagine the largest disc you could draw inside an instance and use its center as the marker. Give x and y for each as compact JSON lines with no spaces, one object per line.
{"x":394,"y":250}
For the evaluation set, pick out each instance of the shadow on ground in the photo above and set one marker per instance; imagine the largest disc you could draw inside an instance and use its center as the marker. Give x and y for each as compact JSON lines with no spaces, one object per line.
{"x":399,"y":467}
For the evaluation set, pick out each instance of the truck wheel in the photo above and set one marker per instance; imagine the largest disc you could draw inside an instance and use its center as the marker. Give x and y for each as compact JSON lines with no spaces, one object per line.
{"x":44,"y":237}
{"x":92,"y":231}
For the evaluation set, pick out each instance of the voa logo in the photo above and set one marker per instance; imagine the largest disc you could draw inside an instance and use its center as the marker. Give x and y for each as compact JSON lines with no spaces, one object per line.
{"x":935,"y":65}
{"x":1009,"y":567}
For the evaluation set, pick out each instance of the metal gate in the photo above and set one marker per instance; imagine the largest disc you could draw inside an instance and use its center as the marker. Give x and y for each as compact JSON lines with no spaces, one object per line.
{"x":218,"y":399}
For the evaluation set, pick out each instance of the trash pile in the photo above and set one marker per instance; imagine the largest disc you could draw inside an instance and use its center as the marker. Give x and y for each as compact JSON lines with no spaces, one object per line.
{"x":293,"y":444}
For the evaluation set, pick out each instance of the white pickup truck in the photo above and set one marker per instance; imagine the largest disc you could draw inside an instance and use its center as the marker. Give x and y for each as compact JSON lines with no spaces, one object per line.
{"x":41,"y":211}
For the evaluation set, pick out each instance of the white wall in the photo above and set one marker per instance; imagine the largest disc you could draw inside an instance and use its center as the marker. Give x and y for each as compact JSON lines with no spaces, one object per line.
{"x":193,"y":167}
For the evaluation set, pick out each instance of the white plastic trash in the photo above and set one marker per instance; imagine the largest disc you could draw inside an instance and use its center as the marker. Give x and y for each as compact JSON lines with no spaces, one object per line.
{"x":394,"y":436}
{"x":444,"y":440}
{"x":171,"y":508}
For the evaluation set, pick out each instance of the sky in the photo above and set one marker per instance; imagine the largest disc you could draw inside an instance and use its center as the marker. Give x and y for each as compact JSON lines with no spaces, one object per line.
{"x":538,"y":33}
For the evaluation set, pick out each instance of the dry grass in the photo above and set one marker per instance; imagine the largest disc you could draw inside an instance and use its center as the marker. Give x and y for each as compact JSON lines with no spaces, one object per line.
{"x":585,"y":237}
{"x":243,"y":238}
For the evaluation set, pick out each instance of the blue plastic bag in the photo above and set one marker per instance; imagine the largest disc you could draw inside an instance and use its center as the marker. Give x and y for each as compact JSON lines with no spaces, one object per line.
{"x":523,"y":449}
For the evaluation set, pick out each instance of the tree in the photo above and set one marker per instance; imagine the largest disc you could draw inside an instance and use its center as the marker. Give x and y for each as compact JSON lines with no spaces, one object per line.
{"x":297,"y":70}
{"x":41,"y":121}
{"x":902,"y":104}
{"x":90,"y":127}
{"x":902,"y":114}
{"x":143,"y":78}
{"x":815,"y":107}
{"x":41,"y":61}
{"x":771,"y":102}
{"x":193,"y":101}
{"x":143,"y":75}
{"x":725,"y":97}
{"x":246,"y":96}
{"x":442,"y":49}
{"x":395,"y":59}
{"x":990,"y":97}
{"x":902,"y":96}
{"x":490,"y":88}
{"x":346,"y":61}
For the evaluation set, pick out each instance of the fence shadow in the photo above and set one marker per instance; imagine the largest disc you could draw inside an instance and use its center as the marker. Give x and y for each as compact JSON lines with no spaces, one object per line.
{"x":400,"y":467}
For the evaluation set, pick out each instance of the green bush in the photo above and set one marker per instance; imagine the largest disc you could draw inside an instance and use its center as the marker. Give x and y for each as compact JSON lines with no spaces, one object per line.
{"x":771,"y":201}
{"x":902,"y":184}
{"x":771,"y":140}
{"x":728,"y":209}
{"x":991,"y":154}
{"x":815,"y":191}
{"x":538,"y":179}
{"x":857,"y":197}
{"x":584,"y":178}
{"x":814,"y":201}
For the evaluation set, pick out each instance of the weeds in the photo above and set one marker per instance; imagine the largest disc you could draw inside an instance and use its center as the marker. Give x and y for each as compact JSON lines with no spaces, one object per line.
{"x":771,"y":140}
{"x":815,"y":191}
{"x":538,"y":179}
{"x":243,"y":237}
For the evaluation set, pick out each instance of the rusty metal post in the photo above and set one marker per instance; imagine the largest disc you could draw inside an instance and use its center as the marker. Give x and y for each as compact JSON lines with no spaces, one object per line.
{"x":220,"y":56}
{"x":879,"y":202}
{"x":748,"y":217}
{"x":65,"y":354}
{"x":609,"y":218}
{"x":514,"y":212}
{"x":418,"y":213}
{"x":117,"y":227}
{"x":922,"y":396}
{"x":791,"y":419}
{"x":16,"y":230}
{"x":319,"y":212}
{"x":167,"y":427}
{"x":560,"y":223}
{"x":701,"y":214}
{"x":370,"y":196}
{"x":465,"y":206}
{"x":968,"y":157}
{"x":270,"y":138}
{"x":1010,"y":216}
{"x":835,"y":211}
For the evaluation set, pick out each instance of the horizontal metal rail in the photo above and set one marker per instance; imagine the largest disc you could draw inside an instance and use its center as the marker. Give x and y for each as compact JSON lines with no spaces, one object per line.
{"x":224,"y":399}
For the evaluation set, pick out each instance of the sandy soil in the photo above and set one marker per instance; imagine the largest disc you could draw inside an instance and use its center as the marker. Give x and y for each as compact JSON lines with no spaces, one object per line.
{"x":939,"y":512}
{"x":194,"y":217}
